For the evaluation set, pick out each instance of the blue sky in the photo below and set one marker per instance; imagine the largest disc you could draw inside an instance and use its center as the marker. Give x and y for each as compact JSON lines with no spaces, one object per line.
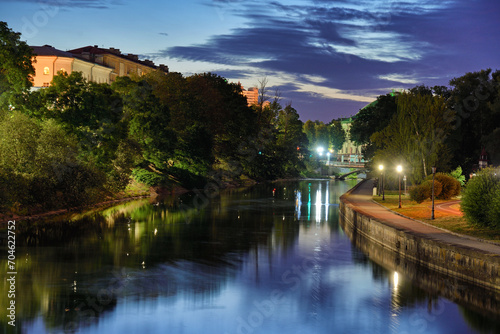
{"x":327,"y":58}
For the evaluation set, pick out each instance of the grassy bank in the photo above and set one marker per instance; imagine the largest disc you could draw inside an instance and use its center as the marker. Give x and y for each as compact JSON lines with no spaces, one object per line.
{"x":453,"y":222}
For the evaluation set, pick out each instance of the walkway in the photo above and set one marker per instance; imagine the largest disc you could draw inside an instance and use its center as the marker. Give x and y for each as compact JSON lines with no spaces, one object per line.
{"x":361,"y":199}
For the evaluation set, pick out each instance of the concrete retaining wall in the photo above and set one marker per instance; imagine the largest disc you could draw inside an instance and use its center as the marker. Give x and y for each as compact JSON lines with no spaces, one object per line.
{"x":459,"y":261}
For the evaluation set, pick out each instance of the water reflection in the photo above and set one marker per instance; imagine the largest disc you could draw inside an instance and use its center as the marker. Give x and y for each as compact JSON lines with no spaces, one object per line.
{"x":248,"y":261}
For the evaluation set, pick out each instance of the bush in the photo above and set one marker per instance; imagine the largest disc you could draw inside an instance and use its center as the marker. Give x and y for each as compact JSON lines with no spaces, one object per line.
{"x":419,"y":193}
{"x":150,"y":179}
{"x":423,"y":191}
{"x":480,"y":202}
{"x":450,"y":186}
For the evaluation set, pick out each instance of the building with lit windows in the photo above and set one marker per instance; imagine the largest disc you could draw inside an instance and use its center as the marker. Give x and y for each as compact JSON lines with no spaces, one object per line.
{"x":252,"y":95}
{"x":96,"y":64}
{"x":49,"y":61}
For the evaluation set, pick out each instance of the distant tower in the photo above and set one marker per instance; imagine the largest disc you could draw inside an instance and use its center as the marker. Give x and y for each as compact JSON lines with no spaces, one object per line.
{"x":483,"y":159}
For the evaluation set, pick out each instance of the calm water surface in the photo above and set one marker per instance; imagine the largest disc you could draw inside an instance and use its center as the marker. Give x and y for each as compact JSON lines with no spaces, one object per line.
{"x":268,"y":259}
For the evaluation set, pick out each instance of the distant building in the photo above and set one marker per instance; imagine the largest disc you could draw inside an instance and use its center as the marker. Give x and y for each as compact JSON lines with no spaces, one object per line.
{"x":350,"y":152}
{"x":96,"y":64}
{"x":121,"y":64}
{"x":252,"y":95}
{"x":50,"y":60}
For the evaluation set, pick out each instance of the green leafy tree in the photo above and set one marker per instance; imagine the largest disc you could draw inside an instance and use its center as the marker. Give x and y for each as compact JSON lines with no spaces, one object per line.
{"x":473,"y":97}
{"x":337,"y":135}
{"x":16,"y":68}
{"x":416,"y":135}
{"x":457,"y":175}
{"x":290,"y":138}
{"x":93,"y":112}
{"x":148,"y":124}
{"x":480,"y":200}
{"x":371,"y":119}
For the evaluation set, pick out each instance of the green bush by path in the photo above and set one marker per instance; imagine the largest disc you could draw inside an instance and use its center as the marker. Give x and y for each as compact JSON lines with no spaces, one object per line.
{"x":481,"y":198}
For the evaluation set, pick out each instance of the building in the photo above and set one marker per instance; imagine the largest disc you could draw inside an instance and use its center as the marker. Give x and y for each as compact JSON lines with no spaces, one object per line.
{"x":252,"y":95}
{"x":50,"y":60}
{"x":350,"y":152}
{"x":96,"y":64}
{"x":121,"y":64}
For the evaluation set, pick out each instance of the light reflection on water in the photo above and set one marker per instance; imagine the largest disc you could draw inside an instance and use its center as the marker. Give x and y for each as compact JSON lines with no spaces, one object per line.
{"x":269,"y":259}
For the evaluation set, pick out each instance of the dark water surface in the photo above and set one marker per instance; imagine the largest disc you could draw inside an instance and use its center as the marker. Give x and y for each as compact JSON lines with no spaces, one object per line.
{"x":267,"y":259}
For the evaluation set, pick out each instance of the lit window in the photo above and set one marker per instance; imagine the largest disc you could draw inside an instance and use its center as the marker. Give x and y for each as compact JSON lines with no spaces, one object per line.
{"x":46,"y":70}
{"x":63,"y":70}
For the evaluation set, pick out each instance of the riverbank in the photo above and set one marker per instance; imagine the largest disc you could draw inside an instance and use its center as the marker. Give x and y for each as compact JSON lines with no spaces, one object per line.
{"x":447,"y":215}
{"x":467,"y":258}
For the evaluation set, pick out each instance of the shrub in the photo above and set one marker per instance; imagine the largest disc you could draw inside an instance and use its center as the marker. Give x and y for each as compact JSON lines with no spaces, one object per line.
{"x":149,"y":178}
{"x":419,"y":193}
{"x":479,"y":203}
{"x":450,"y":186}
{"x":423,"y":191}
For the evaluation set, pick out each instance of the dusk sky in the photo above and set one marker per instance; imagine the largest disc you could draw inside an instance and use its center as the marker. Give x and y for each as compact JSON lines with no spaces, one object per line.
{"x":328,"y":58}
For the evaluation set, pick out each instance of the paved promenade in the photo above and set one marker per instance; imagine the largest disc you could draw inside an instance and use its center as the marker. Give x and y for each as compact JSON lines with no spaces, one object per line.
{"x":361,"y":199}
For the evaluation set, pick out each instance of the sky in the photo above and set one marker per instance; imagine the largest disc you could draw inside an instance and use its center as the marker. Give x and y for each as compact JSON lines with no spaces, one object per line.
{"x":327,"y":58}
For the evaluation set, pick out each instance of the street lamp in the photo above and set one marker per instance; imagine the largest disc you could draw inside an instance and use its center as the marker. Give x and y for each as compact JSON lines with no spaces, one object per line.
{"x":381,"y":168}
{"x":433,"y":175}
{"x":399,"y":169}
{"x":320,"y":150}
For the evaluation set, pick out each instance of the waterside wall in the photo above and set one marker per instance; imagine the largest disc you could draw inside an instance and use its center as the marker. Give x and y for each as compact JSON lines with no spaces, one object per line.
{"x":404,"y":248}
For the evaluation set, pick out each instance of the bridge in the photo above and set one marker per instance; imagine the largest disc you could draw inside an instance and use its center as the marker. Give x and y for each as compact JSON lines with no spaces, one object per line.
{"x":343,"y":176}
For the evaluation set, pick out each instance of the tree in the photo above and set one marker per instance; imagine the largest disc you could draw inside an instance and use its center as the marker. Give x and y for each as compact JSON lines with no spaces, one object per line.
{"x":337,"y":134}
{"x":148,"y":122}
{"x":16,"y":67}
{"x":91,"y":111}
{"x":416,"y":135}
{"x":373,"y":118}
{"x":473,"y":97}
{"x":290,"y":140}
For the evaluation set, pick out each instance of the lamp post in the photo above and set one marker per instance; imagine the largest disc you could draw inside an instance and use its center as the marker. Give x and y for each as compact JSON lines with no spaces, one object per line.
{"x":433,"y":175}
{"x":399,"y":169}
{"x":381,"y":168}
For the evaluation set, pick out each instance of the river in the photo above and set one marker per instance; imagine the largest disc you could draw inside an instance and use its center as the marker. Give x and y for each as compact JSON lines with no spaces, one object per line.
{"x":271,"y":258}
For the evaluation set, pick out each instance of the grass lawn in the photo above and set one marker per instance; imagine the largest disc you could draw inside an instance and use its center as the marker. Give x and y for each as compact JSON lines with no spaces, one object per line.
{"x":422,"y":212}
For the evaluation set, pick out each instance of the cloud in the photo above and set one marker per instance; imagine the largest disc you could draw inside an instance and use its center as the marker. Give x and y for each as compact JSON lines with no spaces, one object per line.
{"x":350,"y":50}
{"x":96,"y":4}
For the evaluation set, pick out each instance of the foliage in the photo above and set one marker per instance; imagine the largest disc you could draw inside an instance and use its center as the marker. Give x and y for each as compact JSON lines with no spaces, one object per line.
{"x":451,"y":186}
{"x":480,"y":200}
{"x":416,"y":135}
{"x":16,"y":68}
{"x":318,"y":134}
{"x":337,"y":135}
{"x":419,"y":193}
{"x":457,"y":175}
{"x":423,"y":191}
{"x":475,"y":98}
{"x":148,"y":177}
{"x":371,"y":119}
{"x":39,"y":163}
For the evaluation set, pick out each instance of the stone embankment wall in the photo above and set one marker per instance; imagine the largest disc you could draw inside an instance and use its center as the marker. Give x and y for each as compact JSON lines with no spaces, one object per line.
{"x":468,"y":264}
